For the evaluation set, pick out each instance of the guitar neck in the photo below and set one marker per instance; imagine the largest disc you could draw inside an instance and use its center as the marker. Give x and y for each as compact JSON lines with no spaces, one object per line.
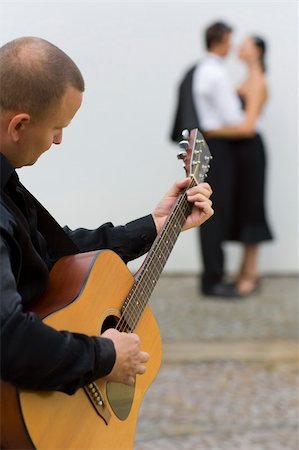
{"x":147,"y":277}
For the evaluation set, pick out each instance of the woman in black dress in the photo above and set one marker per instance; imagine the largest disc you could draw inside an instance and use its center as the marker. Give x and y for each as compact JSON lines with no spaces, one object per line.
{"x":249,"y":224}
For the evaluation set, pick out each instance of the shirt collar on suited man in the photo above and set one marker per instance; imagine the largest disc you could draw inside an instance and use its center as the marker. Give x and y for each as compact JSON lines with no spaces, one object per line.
{"x":7,"y":170}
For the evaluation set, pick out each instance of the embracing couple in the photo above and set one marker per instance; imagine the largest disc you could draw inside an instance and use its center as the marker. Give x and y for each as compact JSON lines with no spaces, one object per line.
{"x":230,"y":119}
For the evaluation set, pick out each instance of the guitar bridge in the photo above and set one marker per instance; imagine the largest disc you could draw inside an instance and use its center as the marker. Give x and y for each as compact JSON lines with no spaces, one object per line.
{"x":96,"y":398}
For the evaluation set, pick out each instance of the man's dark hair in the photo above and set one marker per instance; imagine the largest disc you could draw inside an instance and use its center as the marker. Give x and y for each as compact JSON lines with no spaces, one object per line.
{"x":215,"y":33}
{"x":34,"y":75}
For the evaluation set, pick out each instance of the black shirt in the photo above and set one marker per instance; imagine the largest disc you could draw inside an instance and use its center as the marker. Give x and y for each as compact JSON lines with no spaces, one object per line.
{"x":34,"y":355}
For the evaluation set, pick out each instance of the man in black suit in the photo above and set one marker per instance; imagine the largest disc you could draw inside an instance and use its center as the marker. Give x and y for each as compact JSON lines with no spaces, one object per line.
{"x":207,"y":101}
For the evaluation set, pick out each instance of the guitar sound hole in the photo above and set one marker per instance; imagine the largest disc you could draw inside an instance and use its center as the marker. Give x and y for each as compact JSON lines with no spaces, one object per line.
{"x":112,"y":322}
{"x":109,"y":322}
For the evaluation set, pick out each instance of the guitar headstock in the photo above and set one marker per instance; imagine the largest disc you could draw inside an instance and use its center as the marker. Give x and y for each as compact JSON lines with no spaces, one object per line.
{"x":196,"y":155}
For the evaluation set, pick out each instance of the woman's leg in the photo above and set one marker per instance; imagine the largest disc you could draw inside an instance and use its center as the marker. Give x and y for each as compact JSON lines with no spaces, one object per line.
{"x":248,"y":275}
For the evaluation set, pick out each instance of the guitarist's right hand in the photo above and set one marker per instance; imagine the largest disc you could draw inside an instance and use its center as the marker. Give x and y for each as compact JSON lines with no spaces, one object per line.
{"x":130,"y":360}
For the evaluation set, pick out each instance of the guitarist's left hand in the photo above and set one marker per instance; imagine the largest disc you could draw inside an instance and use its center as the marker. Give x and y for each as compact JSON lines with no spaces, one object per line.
{"x":198,"y":195}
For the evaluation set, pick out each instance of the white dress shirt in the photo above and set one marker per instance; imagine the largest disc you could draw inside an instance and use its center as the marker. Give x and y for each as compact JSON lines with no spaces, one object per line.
{"x":216,"y":102}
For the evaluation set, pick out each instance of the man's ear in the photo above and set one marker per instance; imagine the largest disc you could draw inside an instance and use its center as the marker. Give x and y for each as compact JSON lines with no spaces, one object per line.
{"x":17,"y":125}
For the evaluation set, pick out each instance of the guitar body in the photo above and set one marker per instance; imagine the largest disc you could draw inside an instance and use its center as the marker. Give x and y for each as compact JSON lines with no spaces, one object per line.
{"x":103,"y":415}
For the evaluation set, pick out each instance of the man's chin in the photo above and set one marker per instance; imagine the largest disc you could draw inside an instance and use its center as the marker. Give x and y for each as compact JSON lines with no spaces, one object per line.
{"x":30,"y":163}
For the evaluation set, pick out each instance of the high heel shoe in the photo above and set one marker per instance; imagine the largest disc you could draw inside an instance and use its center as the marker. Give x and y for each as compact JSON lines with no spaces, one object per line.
{"x":247,"y":284}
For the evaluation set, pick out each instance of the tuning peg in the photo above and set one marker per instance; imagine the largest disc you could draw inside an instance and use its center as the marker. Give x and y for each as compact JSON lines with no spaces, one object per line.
{"x":182,"y":155}
{"x":185,"y":134}
{"x":184,"y":144}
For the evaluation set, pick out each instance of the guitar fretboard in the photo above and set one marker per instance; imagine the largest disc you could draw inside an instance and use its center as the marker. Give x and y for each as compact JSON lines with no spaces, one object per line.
{"x":154,"y":263}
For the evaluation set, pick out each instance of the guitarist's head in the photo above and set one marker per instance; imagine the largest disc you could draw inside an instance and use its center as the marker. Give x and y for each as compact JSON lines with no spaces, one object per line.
{"x":41,"y":90}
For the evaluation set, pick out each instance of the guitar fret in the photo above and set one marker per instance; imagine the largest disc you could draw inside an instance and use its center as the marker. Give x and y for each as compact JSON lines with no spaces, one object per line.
{"x":155,"y":263}
{"x":157,"y":257}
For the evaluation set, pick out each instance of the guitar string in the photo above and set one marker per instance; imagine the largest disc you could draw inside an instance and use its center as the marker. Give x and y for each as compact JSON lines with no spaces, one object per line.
{"x":143,"y":290}
{"x":136,"y":300}
{"x":129,"y":311}
{"x":132,"y":310}
{"x":148,"y":286}
{"x":151,"y":275}
{"x":153,"y":257}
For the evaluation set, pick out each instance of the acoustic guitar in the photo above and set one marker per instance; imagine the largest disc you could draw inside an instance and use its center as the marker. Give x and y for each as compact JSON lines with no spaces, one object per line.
{"x":89,"y":293}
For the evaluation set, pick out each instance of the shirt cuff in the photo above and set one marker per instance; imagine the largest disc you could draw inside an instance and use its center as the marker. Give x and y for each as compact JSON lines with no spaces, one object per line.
{"x":106,"y":356}
{"x":145,"y":230}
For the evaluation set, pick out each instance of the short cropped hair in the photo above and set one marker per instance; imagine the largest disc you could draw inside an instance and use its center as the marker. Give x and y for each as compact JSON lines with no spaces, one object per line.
{"x":34,"y":75}
{"x":215,"y":33}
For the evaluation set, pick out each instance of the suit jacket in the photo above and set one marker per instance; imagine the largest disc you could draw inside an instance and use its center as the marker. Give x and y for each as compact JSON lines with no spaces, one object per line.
{"x":185,"y":116}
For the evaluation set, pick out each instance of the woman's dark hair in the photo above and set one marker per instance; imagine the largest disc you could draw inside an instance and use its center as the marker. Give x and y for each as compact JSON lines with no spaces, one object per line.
{"x":261,"y":45}
{"x":215,"y":33}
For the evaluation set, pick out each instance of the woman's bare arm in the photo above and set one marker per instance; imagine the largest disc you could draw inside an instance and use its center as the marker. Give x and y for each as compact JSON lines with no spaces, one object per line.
{"x":255,"y":98}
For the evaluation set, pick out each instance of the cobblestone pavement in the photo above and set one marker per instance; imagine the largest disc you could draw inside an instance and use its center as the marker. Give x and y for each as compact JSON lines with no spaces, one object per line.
{"x":184,"y":315}
{"x":226,"y":405}
{"x":232,"y":400}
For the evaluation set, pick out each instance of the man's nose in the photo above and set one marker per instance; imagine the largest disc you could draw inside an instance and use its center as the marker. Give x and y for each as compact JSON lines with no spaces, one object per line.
{"x":57,"y":138}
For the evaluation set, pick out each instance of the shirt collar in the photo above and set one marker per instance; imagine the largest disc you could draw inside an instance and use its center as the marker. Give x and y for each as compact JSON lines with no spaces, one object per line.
{"x":6,"y":169}
{"x":213,"y":56}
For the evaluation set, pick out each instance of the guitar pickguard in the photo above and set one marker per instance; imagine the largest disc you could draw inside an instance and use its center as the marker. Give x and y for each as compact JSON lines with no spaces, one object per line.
{"x":120,"y":398}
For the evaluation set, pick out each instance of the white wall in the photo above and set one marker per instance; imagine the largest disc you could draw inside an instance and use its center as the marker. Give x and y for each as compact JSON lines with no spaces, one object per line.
{"x":116,"y":159}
